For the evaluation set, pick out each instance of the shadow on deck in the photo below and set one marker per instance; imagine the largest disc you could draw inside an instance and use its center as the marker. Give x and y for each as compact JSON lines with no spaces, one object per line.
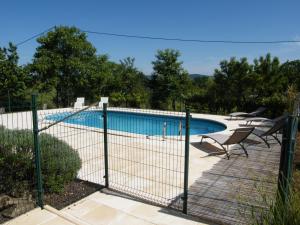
{"x":226,"y":193}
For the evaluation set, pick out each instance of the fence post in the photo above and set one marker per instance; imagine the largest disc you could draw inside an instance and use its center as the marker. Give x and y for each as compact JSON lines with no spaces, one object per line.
{"x":9,"y":104}
{"x":186,"y":160}
{"x":37,"y":153}
{"x":105,"y":145}
{"x":286,"y":157}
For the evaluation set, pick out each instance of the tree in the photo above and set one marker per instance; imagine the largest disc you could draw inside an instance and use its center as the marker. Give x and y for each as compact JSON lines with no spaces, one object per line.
{"x":232,"y":84}
{"x":291,"y":70}
{"x":64,"y":61}
{"x":271,"y":85}
{"x":129,"y":85}
{"x":170,"y":82}
{"x":202,"y":99}
{"x":12,"y":77}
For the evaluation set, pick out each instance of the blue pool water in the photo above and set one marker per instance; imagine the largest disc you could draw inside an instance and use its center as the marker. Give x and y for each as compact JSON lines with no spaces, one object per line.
{"x":139,"y":123}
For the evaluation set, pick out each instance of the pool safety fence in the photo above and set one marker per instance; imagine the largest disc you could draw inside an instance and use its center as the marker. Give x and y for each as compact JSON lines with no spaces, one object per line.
{"x":288,"y":148}
{"x":137,"y":152}
{"x":18,"y":181}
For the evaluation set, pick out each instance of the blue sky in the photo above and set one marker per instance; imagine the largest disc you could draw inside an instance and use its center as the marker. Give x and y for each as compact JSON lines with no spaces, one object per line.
{"x":213,"y":20}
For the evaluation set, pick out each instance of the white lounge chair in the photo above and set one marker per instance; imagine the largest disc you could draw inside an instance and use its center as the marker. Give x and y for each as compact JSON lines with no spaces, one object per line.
{"x":79,"y":103}
{"x":243,"y":115}
{"x":262,"y":121}
{"x":103,"y":100}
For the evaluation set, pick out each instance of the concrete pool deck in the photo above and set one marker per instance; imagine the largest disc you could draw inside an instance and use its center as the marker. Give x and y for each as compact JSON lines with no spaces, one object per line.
{"x":217,"y":186}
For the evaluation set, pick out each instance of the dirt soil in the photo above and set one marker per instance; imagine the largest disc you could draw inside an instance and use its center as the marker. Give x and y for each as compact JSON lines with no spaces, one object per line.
{"x":3,"y":219}
{"x":73,"y":192}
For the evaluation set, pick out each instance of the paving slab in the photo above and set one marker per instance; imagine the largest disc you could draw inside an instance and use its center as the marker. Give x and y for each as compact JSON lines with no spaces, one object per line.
{"x":38,"y":216}
{"x":103,"y":208}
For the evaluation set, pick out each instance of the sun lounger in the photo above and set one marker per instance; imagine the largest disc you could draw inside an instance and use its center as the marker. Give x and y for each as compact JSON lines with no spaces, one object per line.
{"x":255,"y":113}
{"x":261,"y":121}
{"x":237,"y":137}
{"x":272,"y":131}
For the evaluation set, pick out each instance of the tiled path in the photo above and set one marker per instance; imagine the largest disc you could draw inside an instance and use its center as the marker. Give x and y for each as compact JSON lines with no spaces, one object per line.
{"x":103,"y":209}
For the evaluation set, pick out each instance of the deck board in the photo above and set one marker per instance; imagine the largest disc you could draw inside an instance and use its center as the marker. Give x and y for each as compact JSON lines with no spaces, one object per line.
{"x":226,"y":193}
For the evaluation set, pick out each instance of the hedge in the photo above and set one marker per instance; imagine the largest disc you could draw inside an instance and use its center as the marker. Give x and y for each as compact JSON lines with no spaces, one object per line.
{"x":59,"y":162}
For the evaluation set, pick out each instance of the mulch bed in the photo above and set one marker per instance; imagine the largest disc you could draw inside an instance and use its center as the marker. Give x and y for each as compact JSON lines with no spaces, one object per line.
{"x":73,"y":192}
{"x":3,"y":219}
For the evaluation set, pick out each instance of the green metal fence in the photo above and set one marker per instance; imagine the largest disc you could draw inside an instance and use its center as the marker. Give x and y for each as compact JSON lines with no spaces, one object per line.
{"x":18,"y":181}
{"x":74,"y":152}
{"x":149,"y":162}
{"x":58,"y":156}
{"x":289,"y":137}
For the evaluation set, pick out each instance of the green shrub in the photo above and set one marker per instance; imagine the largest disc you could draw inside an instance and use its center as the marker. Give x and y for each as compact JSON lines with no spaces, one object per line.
{"x":59,"y":162}
{"x":279,"y":211}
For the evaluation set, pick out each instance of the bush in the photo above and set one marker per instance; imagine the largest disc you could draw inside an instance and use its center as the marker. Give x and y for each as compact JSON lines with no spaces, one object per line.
{"x":59,"y":162}
{"x":280,"y":212}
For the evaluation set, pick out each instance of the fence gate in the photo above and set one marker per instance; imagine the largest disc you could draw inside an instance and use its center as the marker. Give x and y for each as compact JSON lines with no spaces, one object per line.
{"x":79,"y":128}
{"x":146,"y":152}
{"x":141,"y":153}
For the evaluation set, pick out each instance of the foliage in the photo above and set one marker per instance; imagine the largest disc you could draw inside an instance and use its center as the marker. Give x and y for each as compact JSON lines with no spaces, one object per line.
{"x":16,"y":161}
{"x":240,"y":86}
{"x":170,"y":82}
{"x":280,"y":212}
{"x":64,"y":60}
{"x":291,"y":69}
{"x":233,"y":82}
{"x":12,"y":77}
{"x":59,"y":162}
{"x":128,"y":85}
{"x":66,"y":65}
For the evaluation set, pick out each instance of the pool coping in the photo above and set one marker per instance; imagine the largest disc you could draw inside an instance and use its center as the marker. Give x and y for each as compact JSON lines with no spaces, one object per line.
{"x":223,"y":120}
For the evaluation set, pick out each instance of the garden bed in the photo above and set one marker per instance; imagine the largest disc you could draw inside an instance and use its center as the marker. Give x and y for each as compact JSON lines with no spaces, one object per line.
{"x":73,"y":192}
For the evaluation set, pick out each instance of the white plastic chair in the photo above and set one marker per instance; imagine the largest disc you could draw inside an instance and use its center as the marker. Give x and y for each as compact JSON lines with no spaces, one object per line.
{"x":103,"y":100}
{"x":79,"y":103}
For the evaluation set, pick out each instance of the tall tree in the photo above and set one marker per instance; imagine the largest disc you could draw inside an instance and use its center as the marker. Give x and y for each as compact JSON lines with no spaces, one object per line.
{"x":170,"y":82}
{"x":271,"y":85}
{"x":232,"y":83}
{"x":129,"y":85}
{"x":64,"y":60}
{"x":12,"y":77}
{"x":291,"y":71}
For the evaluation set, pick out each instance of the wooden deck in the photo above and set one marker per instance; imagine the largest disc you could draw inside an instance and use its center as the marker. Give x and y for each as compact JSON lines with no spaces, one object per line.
{"x":226,"y":193}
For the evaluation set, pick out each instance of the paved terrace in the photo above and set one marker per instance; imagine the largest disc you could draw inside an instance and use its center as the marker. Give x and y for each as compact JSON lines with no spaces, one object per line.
{"x":220,"y":190}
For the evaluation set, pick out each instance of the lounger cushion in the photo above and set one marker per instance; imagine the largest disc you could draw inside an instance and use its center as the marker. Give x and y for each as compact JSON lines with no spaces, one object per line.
{"x":258,"y":132}
{"x":238,"y":114}
{"x":221,"y":138}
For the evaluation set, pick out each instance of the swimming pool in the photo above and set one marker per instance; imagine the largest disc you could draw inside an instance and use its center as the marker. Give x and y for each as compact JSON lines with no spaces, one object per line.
{"x":140,"y":123}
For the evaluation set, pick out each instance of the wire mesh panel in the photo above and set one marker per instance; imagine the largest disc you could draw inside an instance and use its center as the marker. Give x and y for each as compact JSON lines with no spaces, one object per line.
{"x":146,"y":154}
{"x":72,"y":142}
{"x":287,"y":155}
{"x":17,"y":168}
